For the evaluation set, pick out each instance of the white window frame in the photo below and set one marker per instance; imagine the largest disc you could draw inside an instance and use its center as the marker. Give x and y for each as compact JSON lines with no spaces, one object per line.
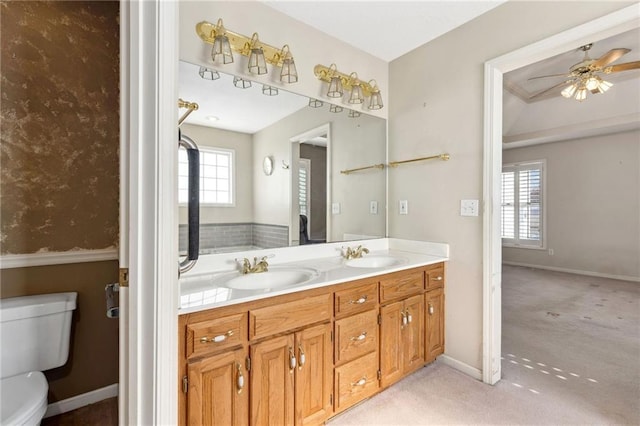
{"x":305,"y":163}
{"x":517,"y":242}
{"x":232,"y":176}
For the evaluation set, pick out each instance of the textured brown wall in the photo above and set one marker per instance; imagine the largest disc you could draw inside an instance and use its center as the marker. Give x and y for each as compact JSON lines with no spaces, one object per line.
{"x":93,"y":352}
{"x":59,"y":126}
{"x":59,"y":170}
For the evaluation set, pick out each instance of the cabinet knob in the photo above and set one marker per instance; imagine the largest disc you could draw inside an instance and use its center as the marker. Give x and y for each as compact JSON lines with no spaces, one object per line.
{"x":360,"y":382}
{"x":362,"y":336}
{"x":217,"y":339}
{"x":359,"y":301}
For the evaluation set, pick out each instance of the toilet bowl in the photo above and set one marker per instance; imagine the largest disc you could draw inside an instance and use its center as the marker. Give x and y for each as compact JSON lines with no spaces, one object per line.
{"x":34,"y":336}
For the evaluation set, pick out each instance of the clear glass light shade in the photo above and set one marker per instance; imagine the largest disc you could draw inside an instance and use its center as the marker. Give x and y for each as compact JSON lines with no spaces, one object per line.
{"x":569,"y":91}
{"x":257,"y":63}
{"x":269,"y":90}
{"x":603,"y":86}
{"x":208,"y":74}
{"x":315,"y":103}
{"x":356,"y":95}
{"x":335,"y":88}
{"x":376,"y":100}
{"x":581,"y":94}
{"x":354,"y":114}
{"x":221,"y":47}
{"x":288,"y":74}
{"x":241,"y":83}
{"x":592,"y":83}
{"x":335,"y":108}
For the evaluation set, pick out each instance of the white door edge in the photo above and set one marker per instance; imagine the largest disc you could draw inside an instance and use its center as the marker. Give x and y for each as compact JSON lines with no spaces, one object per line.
{"x":617,"y":22}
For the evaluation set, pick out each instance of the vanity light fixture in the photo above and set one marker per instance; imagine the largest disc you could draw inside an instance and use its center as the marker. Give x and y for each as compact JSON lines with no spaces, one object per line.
{"x":338,"y":82}
{"x":260,"y":54}
{"x":241,"y":83}
{"x":208,"y":74}
{"x":315,"y":103}
{"x":335,"y":108}
{"x":269,"y":90}
{"x":354,"y":113}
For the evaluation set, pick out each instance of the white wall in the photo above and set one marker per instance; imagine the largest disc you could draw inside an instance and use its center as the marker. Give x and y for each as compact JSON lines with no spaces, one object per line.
{"x":242,"y":144}
{"x":593,"y":205}
{"x":435,"y":106}
{"x":308,"y":46}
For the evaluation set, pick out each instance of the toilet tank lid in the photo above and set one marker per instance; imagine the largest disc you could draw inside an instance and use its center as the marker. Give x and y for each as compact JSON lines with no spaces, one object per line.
{"x":15,"y":308}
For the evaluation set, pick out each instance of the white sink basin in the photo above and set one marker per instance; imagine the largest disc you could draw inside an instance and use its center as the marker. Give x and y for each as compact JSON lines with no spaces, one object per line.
{"x":275,"y":277}
{"x":373,"y":262}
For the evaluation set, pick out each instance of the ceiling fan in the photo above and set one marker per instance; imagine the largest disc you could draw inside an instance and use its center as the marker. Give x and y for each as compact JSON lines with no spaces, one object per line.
{"x":586,"y":75}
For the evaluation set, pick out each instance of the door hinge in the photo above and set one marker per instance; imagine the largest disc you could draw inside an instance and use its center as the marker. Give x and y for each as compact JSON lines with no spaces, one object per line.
{"x":123,"y":278}
{"x":379,"y":319}
{"x":379,"y":375}
{"x":185,"y":384}
{"x":247,"y":363}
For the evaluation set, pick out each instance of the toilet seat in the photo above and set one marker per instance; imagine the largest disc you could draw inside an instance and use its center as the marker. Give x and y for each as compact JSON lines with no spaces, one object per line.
{"x":23,"y":399}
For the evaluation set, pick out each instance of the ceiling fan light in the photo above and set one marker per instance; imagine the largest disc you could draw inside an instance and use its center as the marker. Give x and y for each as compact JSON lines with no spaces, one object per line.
{"x":592,"y":83}
{"x":569,"y":91}
{"x":604,"y":86}
{"x":581,"y":94}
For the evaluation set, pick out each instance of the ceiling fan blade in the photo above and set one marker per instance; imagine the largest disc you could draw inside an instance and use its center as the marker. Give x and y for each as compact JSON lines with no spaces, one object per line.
{"x":622,"y":67}
{"x":557,"y":86}
{"x":551,"y":75}
{"x":610,"y":56}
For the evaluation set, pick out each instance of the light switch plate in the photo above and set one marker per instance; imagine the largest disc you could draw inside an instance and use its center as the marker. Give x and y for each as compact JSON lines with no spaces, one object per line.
{"x":404,"y":207}
{"x":335,"y":208}
{"x":373,"y":207}
{"x":469,"y":207}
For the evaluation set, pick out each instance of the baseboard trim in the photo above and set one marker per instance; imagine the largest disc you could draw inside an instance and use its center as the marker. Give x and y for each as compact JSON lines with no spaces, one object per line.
{"x":573,"y":271}
{"x":82,"y":400}
{"x":461,"y":366}
{"x":8,"y":261}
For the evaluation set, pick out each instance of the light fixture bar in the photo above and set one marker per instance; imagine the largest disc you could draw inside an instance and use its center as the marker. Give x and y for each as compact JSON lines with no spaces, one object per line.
{"x":240,"y":43}
{"x":326,"y":73}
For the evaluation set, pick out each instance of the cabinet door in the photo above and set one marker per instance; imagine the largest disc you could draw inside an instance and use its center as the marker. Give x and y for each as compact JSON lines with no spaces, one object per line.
{"x":434,"y":324}
{"x":314,"y":381}
{"x":218,"y":393}
{"x":391,"y":326}
{"x":413,"y":334}
{"x":272,"y":381}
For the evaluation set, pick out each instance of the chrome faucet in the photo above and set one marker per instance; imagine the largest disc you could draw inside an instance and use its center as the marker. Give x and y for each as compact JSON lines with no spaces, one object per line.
{"x":258,"y":266}
{"x":355,"y":253}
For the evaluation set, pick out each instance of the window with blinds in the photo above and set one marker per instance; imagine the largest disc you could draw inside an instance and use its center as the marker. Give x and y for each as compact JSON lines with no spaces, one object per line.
{"x":303,"y":186}
{"x":216,"y":176}
{"x":522,"y":204}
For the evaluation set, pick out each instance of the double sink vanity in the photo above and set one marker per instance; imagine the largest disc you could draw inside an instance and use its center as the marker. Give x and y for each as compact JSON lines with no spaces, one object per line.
{"x":306,"y":333}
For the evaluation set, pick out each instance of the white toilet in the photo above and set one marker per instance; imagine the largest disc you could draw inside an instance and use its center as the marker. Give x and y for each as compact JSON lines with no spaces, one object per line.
{"x":34,"y":336}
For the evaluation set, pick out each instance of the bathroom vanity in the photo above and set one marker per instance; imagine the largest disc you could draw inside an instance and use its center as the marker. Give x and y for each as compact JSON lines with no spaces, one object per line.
{"x":302,"y":355}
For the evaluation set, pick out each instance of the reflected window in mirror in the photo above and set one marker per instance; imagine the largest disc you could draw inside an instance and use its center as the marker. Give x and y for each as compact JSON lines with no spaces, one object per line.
{"x":217,"y":168}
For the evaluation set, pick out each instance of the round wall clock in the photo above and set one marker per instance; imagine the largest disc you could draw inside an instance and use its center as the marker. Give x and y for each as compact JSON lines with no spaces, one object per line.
{"x":267,"y":165}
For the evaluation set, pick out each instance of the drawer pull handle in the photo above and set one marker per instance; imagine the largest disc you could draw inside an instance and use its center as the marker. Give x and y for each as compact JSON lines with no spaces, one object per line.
{"x":430,"y":309}
{"x":409,"y":317}
{"x":360,"y":301}
{"x":292,"y":360}
{"x":404,"y":319}
{"x":239,"y":379}
{"x":360,"y":382}
{"x":301,"y":356}
{"x":438,"y":278}
{"x":362,"y":336}
{"x":217,"y":339}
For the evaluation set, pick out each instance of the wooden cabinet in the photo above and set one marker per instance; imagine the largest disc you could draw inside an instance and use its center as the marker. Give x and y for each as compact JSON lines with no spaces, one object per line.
{"x":300,"y":358}
{"x":218,"y":390}
{"x":401,"y":338}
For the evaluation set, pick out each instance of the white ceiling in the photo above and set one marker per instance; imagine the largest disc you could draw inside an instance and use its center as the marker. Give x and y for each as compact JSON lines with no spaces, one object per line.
{"x":385,"y":29}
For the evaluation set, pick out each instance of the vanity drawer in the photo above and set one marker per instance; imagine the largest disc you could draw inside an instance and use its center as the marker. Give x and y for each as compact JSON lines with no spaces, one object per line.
{"x":357,"y":299}
{"x":270,"y":320}
{"x":356,"y":336}
{"x":435,"y":276}
{"x":206,"y":337}
{"x":356,"y":381}
{"x":400,"y":285}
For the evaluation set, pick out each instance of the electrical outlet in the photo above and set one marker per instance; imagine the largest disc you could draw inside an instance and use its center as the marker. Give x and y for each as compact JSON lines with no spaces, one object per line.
{"x":373,"y":207}
{"x":404,"y":207}
{"x":335,"y":208}
{"x":469,"y":207}
{"x":550,"y":252}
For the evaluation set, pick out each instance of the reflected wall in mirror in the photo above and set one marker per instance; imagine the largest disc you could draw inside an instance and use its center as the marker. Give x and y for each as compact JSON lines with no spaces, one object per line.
{"x":244,"y":208}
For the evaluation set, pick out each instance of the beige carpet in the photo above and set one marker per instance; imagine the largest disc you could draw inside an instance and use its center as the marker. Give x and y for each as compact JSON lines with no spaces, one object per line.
{"x":571,"y":355}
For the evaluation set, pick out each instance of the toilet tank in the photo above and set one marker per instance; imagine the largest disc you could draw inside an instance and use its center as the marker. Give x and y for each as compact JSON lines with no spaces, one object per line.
{"x":34,"y":332}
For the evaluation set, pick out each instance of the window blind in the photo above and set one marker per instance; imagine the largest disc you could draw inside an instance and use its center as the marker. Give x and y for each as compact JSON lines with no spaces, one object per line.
{"x":522,"y":205}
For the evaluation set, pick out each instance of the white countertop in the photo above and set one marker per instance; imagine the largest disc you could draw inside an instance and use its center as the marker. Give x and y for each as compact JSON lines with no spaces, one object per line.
{"x":198,"y":290}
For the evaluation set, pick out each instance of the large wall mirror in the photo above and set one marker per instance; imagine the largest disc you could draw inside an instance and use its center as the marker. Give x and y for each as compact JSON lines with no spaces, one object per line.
{"x":273,"y":163}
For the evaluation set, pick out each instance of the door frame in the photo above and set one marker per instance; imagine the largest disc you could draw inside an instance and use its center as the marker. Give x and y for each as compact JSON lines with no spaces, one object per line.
{"x":614,"y":23}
